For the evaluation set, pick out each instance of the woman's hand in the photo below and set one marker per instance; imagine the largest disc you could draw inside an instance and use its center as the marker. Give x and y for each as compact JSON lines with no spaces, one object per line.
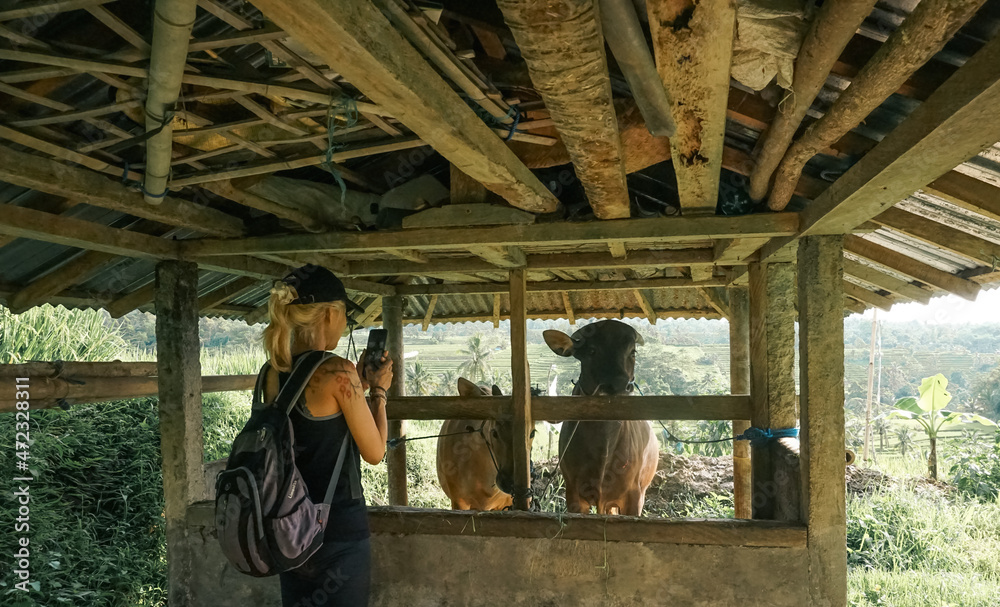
{"x":381,"y":377}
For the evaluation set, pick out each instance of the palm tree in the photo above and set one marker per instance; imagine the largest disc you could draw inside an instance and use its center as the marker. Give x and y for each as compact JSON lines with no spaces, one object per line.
{"x":881,"y":425}
{"x":476,"y":366}
{"x":905,"y":437}
{"x":419,"y":380}
{"x":447,"y":382}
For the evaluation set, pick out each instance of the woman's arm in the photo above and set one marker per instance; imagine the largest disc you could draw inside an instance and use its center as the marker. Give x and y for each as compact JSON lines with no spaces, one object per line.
{"x":367,"y":426}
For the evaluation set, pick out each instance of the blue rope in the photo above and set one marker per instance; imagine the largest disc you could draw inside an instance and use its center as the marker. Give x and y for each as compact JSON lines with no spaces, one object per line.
{"x":493,"y":122}
{"x":140,"y":186}
{"x":758,"y":437}
{"x":349,"y":107}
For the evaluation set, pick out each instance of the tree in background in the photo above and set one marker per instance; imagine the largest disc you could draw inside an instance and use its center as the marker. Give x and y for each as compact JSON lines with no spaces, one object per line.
{"x":929,"y":411}
{"x":447,"y":383}
{"x":905,"y":438}
{"x":419,"y":379}
{"x":986,"y":394}
{"x":476,"y":367}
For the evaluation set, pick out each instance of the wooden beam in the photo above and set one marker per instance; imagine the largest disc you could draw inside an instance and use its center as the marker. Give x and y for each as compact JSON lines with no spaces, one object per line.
{"x":391,"y":521}
{"x":693,"y":46}
{"x":772,"y":383}
{"x":953,"y":125}
{"x":885,"y":282}
{"x":865,"y":296}
{"x":821,"y":371}
{"x":118,"y":26}
{"x":395,"y":459}
{"x":701,"y":273}
{"x":179,"y":390}
{"x":228,"y":190}
{"x":496,"y":311}
{"x":739,"y":383}
{"x":521,"y":409}
{"x":617,"y":249}
{"x":58,"y":179}
{"x":617,"y":313}
{"x":570,"y":315}
{"x":451,"y":265}
{"x":465,"y":189}
{"x":666,"y":229}
{"x":371,"y":311}
{"x":126,"y":303}
{"x":409,"y":255}
{"x":967,"y":192}
{"x":924,"y":32}
{"x":911,"y":267}
{"x":941,"y":235}
{"x":73,"y":272}
{"x":736,"y":250}
{"x":564,"y":51}
{"x":854,"y":305}
{"x":47,"y":8}
{"x":38,"y":225}
{"x":430,"y":312}
{"x":503,"y":256}
{"x":715,"y":299}
{"x":646,"y":303}
{"x":371,"y":54}
{"x":559,"y":408}
{"x":71,"y":369}
{"x":831,"y":29}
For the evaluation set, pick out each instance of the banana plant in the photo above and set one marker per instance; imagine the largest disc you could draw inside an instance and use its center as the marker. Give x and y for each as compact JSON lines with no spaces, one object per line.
{"x":929,"y":411}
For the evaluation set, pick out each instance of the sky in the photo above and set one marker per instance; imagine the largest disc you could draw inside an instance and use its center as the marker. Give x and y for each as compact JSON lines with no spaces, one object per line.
{"x":949,"y":309}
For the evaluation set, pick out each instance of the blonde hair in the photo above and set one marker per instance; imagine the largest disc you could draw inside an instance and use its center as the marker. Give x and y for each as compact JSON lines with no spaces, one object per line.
{"x":291,"y":322}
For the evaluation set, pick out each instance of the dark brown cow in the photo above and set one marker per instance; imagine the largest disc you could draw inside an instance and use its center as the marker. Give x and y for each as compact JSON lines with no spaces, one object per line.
{"x":609,"y":464}
{"x":476,"y":468}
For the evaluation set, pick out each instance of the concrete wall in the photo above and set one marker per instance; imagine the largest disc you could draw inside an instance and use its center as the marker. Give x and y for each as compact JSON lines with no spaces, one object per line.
{"x":430,"y":570}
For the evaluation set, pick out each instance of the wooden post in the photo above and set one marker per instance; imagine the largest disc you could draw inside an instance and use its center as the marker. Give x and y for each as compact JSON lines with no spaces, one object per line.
{"x":739,"y":383}
{"x":395,"y":459}
{"x":181,"y":438}
{"x":772,"y":383}
{"x":521,"y":380}
{"x":821,"y":364}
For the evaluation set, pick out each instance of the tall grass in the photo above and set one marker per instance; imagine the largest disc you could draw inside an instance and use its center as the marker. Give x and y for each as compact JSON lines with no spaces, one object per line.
{"x":54,"y":333}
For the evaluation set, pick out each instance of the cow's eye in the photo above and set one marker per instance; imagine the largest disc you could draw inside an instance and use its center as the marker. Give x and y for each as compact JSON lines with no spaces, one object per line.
{"x":532,"y":435}
{"x":495,"y":434}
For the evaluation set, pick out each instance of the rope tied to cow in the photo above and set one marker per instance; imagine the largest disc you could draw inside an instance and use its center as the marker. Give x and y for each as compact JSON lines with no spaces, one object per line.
{"x":392,"y":443}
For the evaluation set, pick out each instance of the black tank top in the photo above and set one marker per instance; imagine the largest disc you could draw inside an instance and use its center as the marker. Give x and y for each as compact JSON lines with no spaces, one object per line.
{"x":317,"y":444}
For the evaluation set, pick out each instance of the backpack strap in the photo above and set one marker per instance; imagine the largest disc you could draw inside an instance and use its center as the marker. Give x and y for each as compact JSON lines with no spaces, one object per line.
{"x":302,"y":372}
{"x":258,"y":388}
{"x":332,"y":488}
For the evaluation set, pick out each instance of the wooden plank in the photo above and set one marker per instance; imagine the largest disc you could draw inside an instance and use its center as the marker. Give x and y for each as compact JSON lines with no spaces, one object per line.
{"x":467,"y":215}
{"x":821,"y":371}
{"x":701,"y":273}
{"x":739,"y":383}
{"x":179,"y":390}
{"x":702,"y":34}
{"x":911,"y":267}
{"x":465,"y":189}
{"x":46,"y":227}
{"x":865,"y":296}
{"x":584,"y":527}
{"x":886,"y":282}
{"x":570,"y":315}
{"x":558,"y":408}
{"x":372,"y":55}
{"x":967,"y":192}
{"x":503,"y":256}
{"x":58,"y":179}
{"x":564,"y":52}
{"x":954,"y":124}
{"x":940,"y":235}
{"x":924,"y":32}
{"x":618,"y":313}
{"x":772,"y":384}
{"x":119,"y":27}
{"x":227,"y":189}
{"x":521,"y":405}
{"x":126,"y":303}
{"x":70,"y":369}
{"x":430,"y":312}
{"x":60,"y":152}
{"x":854,"y":305}
{"x":666,"y":229}
{"x":715,"y":299}
{"x":450,"y":265}
{"x":646,"y":303}
{"x":496,"y":311}
{"x":617,"y":249}
{"x":736,"y":250}
{"x":395,"y":459}
{"x":73,"y":272}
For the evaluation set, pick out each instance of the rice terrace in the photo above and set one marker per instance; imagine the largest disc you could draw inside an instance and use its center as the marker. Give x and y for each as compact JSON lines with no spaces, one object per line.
{"x":533,"y":303}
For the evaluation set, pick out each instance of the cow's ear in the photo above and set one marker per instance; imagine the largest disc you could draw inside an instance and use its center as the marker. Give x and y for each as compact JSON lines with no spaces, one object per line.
{"x":639,"y":341}
{"x":559,"y":342}
{"x":497,"y":391}
{"x":467,"y":388}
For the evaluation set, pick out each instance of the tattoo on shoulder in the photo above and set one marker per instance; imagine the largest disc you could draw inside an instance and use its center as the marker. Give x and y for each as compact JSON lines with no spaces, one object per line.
{"x":344,"y":376}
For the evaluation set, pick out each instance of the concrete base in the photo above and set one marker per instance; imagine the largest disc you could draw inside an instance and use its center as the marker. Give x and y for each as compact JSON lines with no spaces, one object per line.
{"x":433,"y":570}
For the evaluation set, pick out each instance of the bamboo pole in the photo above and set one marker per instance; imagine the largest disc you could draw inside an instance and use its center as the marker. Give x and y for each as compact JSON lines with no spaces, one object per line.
{"x":931,"y":24}
{"x":871,"y":388}
{"x":395,"y":459}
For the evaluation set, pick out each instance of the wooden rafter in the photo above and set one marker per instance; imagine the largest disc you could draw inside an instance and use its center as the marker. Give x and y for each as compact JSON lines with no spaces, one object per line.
{"x":226,"y":292}
{"x":48,"y":8}
{"x":502,"y":256}
{"x":645,"y":301}
{"x":940,"y":235}
{"x":736,"y":250}
{"x":357,"y":38}
{"x":558,"y":286}
{"x":431,"y":304}
{"x":570,"y":314}
{"x":885,"y":282}
{"x":564,"y":51}
{"x":864,"y":295}
{"x":496,"y":311}
{"x":716,"y":298}
{"x":967,"y":192}
{"x":702,"y":34}
{"x":911,"y":267}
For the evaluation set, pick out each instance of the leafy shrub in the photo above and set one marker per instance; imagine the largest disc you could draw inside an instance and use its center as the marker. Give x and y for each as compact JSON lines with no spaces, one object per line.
{"x":976,"y":470}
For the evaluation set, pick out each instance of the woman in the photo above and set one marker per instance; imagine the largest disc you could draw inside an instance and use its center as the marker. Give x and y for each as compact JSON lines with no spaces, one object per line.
{"x":308,"y":311}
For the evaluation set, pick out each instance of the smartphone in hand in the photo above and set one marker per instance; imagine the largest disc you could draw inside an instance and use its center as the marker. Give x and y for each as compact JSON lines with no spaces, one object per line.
{"x":377,"y":339}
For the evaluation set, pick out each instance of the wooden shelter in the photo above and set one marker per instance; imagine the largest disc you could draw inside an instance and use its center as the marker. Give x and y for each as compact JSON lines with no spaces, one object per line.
{"x":495,"y":160}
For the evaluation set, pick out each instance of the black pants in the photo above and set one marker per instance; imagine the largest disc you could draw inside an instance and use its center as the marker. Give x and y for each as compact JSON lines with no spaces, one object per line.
{"x":339,"y":574}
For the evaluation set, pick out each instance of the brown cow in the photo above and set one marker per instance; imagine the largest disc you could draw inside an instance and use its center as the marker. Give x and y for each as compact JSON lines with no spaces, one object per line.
{"x":476,"y":464}
{"x":606,"y":464}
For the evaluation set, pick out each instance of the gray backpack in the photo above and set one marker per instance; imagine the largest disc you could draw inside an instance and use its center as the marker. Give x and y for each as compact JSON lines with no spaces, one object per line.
{"x":265,"y":519}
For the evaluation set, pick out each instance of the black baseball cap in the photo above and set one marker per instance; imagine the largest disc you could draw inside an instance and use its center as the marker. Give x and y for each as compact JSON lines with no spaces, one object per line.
{"x":316,"y":284}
